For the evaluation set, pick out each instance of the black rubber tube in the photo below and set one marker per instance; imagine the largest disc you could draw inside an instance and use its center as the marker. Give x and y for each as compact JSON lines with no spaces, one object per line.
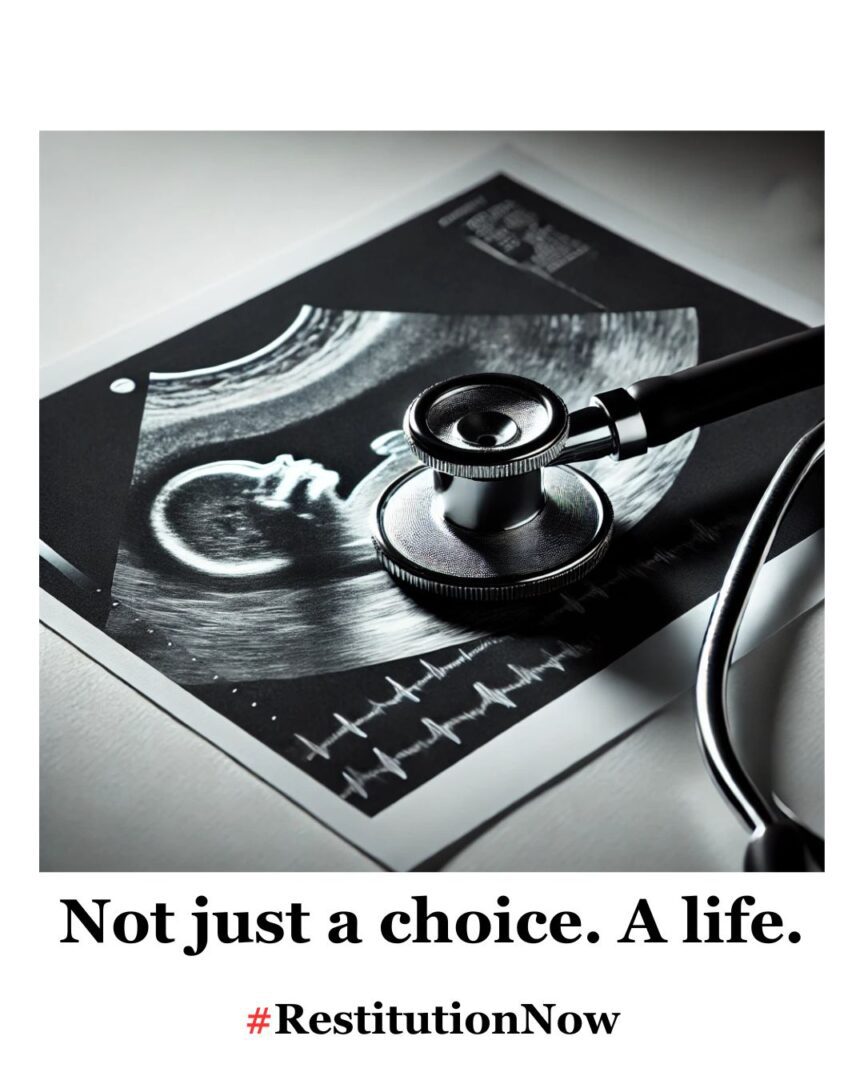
{"x":778,"y":841}
{"x":673,"y":404}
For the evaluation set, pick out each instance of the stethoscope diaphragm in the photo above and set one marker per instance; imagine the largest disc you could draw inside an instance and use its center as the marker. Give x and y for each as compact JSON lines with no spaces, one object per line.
{"x":488,"y":516}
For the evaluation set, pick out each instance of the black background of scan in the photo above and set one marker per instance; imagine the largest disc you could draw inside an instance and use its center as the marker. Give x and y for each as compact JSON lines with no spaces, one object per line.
{"x":88,"y":441}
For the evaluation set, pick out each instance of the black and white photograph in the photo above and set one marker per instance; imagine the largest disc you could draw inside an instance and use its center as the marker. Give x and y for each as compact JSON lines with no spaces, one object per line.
{"x":445,"y":654}
{"x":212,"y":499}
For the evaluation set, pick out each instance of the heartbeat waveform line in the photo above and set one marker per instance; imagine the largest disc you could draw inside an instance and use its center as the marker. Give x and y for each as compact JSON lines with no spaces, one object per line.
{"x":349,"y":725}
{"x":313,"y":748}
{"x":354,"y":784}
{"x":590,"y":592}
{"x":400,"y":693}
{"x":436,"y":729}
{"x":501,"y":696}
{"x":390,"y":764}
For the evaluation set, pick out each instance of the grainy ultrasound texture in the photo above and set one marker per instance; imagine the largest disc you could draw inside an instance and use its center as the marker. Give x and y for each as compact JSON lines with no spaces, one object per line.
{"x":213,"y":518}
{"x":247,"y":539}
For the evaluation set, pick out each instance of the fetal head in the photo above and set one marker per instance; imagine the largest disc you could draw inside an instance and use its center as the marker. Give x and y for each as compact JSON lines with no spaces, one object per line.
{"x":242,"y":519}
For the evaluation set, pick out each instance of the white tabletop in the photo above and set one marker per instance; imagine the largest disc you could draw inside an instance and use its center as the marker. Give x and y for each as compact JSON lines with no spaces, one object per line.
{"x":132,"y":223}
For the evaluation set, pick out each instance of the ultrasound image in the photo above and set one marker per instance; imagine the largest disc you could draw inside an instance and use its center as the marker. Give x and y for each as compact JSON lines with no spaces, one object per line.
{"x":248,"y":535}
{"x":246,"y":561}
{"x":206,"y":503}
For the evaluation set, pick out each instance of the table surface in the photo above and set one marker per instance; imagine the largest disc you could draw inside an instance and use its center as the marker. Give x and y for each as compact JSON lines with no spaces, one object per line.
{"x":133,"y":223}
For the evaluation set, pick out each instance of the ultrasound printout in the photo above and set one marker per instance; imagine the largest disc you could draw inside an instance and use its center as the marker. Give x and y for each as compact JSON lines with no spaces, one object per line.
{"x":206,"y":504}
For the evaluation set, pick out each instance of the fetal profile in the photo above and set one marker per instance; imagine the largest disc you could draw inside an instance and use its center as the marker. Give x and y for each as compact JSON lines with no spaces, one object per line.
{"x":241,"y":519}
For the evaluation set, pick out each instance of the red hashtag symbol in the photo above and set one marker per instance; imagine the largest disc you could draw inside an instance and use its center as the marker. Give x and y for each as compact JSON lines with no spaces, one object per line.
{"x":258,"y":1020}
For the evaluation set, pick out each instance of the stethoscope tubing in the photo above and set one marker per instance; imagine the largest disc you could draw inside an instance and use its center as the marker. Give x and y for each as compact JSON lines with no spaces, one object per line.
{"x":482,"y":482}
{"x":755,"y":810}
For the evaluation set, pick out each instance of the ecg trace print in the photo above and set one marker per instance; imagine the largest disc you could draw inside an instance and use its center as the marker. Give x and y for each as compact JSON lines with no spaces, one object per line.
{"x":401,"y":693}
{"x":356,"y":781}
{"x":393,"y":769}
{"x":391,"y":765}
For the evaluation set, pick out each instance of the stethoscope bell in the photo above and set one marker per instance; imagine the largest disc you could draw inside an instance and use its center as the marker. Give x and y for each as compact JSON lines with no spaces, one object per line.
{"x":489,"y":515}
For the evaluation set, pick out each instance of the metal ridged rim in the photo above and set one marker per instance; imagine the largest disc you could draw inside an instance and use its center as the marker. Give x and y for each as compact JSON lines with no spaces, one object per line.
{"x":430,"y":583}
{"x":489,"y":472}
{"x":523,"y":591}
{"x":486,"y":464}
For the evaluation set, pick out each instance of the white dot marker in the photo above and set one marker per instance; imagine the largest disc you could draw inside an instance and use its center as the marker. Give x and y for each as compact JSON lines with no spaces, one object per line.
{"x":122,"y":386}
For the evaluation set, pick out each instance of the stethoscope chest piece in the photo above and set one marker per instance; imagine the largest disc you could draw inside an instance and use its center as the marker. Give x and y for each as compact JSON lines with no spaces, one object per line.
{"x":497,"y":512}
{"x":488,"y":516}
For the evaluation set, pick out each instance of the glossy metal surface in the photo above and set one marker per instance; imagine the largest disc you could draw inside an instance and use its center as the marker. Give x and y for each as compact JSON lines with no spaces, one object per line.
{"x":589,"y":436}
{"x":487,"y":426}
{"x":490,"y":505}
{"x":627,"y":425}
{"x":557,"y":546}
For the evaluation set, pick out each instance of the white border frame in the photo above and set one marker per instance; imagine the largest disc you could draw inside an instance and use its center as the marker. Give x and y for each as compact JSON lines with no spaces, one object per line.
{"x":546,"y":743}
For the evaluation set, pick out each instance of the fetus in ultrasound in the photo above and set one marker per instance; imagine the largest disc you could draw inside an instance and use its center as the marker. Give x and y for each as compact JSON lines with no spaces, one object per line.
{"x":259,"y":561}
{"x":242,"y":519}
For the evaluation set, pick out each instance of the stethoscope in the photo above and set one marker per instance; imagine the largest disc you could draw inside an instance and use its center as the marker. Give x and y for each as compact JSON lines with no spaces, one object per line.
{"x":497,"y":511}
